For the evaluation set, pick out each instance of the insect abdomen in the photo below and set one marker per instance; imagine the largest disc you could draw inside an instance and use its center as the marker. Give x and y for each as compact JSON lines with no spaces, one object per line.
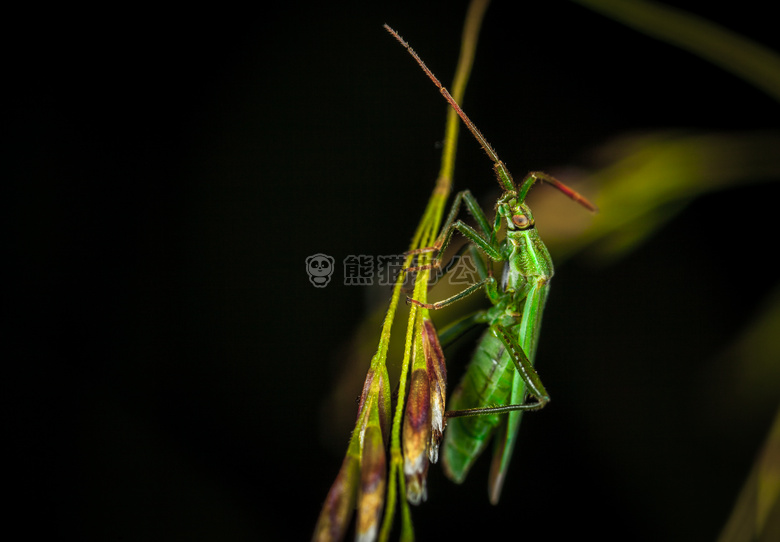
{"x":487,"y":382}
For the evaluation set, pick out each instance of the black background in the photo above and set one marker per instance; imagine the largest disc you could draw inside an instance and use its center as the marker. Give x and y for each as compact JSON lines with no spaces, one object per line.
{"x":170,"y":172}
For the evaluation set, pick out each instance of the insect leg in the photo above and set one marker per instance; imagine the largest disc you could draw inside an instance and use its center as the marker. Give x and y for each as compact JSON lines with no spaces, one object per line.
{"x":489,"y":283}
{"x":484,"y":236}
{"x":520,"y":341}
{"x":524,"y":367}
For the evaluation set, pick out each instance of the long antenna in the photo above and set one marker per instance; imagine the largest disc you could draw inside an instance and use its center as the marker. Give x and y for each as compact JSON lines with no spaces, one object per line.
{"x":444,"y":92}
{"x":504,"y":177}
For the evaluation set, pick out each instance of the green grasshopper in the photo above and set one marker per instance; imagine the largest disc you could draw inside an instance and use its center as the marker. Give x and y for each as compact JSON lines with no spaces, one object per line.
{"x":492,"y":395}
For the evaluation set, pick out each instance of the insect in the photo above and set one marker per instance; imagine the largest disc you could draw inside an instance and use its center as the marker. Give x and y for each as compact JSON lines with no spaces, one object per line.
{"x":491,"y":398}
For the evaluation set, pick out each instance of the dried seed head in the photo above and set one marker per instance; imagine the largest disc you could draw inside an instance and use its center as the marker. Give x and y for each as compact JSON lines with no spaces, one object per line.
{"x":340,"y":502}
{"x":437,"y":376}
{"x":416,"y":435}
{"x":362,"y":477}
{"x":377,"y":387}
{"x":372,"y":484}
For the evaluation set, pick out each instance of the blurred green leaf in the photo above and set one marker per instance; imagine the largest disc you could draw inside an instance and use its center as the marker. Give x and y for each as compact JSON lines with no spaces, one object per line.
{"x":650,"y":178}
{"x":734,"y":53}
{"x":756,"y":514}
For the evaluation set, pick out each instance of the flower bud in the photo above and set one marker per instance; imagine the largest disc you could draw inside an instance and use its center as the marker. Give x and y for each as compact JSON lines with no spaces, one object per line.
{"x":340,"y":502}
{"x":372,"y":484}
{"x":417,"y":435}
{"x":437,"y":377}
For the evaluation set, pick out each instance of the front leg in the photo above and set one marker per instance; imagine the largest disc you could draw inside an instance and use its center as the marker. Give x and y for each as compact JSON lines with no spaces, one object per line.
{"x":489,"y":284}
{"x":484,"y":236}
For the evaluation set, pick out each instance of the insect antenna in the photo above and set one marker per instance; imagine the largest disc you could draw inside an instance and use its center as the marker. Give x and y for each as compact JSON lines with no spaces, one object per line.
{"x":534,"y":176}
{"x":504,"y":177}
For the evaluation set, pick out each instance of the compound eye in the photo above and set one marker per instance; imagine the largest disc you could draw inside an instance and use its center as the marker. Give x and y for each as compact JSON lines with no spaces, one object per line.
{"x":521,"y":221}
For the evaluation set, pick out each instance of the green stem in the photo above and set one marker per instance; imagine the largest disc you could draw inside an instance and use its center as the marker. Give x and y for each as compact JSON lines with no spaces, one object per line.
{"x":424,"y":236}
